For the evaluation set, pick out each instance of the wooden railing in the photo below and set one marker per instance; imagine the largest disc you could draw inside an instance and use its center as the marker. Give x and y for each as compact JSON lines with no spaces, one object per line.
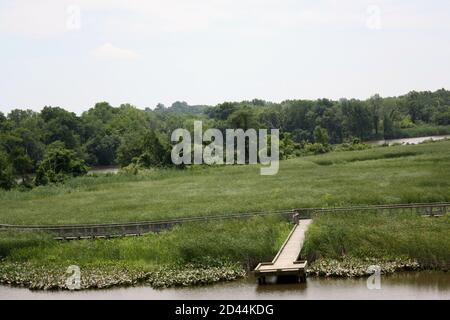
{"x":83,"y":231}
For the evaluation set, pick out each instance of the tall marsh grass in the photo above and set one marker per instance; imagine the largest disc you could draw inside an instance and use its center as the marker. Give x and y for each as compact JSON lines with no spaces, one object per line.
{"x":396,"y":174}
{"x":384,"y":236}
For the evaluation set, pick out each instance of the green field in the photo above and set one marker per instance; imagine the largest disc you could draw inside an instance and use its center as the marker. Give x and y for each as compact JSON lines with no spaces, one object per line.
{"x":397,"y":174}
{"x":341,"y":244}
{"x":382,"y":236}
{"x":193,"y":253}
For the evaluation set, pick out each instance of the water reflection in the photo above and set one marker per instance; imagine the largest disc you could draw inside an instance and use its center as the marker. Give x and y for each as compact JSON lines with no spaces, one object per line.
{"x":413,"y":285}
{"x":416,"y":140}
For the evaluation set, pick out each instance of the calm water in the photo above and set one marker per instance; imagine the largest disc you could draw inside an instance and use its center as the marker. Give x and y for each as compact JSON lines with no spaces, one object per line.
{"x":408,"y":285}
{"x":408,"y":140}
{"x":104,"y":169}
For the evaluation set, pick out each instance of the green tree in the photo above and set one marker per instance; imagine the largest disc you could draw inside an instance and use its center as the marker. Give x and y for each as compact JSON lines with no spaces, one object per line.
{"x":146,"y":149}
{"x":321,"y":136}
{"x":102,"y":149}
{"x":61,"y":125}
{"x":357,"y":120}
{"x":7,"y":180}
{"x":388,"y":126}
{"x":243,"y":118}
{"x":59,"y":164}
{"x":375,"y":106}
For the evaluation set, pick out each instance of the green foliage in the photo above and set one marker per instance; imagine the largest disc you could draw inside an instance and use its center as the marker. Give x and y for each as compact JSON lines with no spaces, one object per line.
{"x":288,"y":148}
{"x":316,"y":148}
{"x":247,"y":242}
{"x":6,"y":173}
{"x":380,"y":235}
{"x":243,"y":118}
{"x":388,"y":127}
{"x":422,"y":131}
{"x":373,"y":176}
{"x":210,"y":244}
{"x":58,"y":164}
{"x":442,"y":118}
{"x":10,"y":241}
{"x":355,"y":145}
{"x":107,"y":135}
{"x":146,"y":149}
{"x":321,"y":136}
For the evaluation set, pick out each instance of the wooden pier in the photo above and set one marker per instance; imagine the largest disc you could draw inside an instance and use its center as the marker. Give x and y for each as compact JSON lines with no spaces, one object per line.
{"x":286,"y":262}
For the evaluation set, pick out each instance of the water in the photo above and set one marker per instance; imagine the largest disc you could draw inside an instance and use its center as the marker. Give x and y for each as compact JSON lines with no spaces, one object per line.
{"x":406,"y":285}
{"x":104,"y":169}
{"x":408,"y":140}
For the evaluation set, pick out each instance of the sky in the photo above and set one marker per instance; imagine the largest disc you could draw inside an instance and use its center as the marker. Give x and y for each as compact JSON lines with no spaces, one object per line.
{"x":73,"y":53}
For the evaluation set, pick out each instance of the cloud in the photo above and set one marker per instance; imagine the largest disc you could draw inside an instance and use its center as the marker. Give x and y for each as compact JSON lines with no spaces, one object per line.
{"x":53,"y":18}
{"x":37,"y":19}
{"x":108,"y":51}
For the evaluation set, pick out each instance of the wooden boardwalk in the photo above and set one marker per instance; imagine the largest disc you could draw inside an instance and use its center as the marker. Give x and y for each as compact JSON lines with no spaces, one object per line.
{"x":286,"y":261}
{"x":85,"y":231}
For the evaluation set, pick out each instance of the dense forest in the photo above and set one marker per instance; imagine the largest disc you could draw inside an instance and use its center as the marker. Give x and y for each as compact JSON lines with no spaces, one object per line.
{"x":53,"y":143}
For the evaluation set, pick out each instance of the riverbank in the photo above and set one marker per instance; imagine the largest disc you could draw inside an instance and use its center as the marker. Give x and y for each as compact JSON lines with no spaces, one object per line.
{"x":190,"y":254}
{"x":403,"y":285}
{"x":347,"y":243}
{"x":55,"y":277}
{"x":336,"y":245}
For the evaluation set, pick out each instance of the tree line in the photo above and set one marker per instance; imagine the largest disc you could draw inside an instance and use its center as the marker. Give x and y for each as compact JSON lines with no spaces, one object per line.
{"x":55,"y":143}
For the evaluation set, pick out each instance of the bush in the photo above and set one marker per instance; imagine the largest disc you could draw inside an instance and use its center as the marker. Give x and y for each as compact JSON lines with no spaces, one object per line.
{"x":59,"y":164}
{"x":317,"y":148}
{"x":355,"y":145}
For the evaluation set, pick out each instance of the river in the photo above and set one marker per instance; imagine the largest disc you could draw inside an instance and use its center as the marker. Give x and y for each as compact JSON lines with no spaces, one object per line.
{"x":408,"y":140}
{"x":405,"y":285}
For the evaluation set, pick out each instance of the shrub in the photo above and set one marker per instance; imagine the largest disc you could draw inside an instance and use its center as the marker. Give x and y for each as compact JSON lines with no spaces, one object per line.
{"x":317,"y":148}
{"x":58,"y":164}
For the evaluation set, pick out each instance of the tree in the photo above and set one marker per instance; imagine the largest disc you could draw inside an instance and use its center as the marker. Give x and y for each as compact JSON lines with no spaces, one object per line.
{"x":388,"y":126}
{"x":357,"y":120}
{"x":145,"y":149}
{"x":61,"y":125}
{"x":272,"y":118}
{"x":7,"y":180}
{"x":331,"y":120}
{"x":59,"y":164}
{"x":154,"y":152}
{"x":287,"y":146}
{"x":301,"y":136}
{"x":321,"y":136}
{"x":102,"y":149}
{"x":243,"y":118}
{"x":375,"y":104}
{"x":222,"y":111}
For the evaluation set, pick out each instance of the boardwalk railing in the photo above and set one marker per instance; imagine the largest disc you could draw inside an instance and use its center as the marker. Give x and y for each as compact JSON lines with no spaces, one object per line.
{"x":138,"y":228}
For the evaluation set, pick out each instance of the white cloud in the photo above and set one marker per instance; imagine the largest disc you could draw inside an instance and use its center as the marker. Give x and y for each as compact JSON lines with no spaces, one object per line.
{"x":49,"y":18}
{"x":37,"y":19}
{"x":108,"y":51}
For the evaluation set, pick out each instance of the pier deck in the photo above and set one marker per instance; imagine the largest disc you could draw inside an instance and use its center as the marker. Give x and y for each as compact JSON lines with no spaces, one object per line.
{"x":286,"y":261}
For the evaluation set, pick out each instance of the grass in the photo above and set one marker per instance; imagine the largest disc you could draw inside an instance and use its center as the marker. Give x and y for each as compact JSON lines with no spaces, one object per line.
{"x":194,"y":253}
{"x":383,"y":236}
{"x":243,"y":241}
{"x":423,"y":131}
{"x":397,"y":174}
